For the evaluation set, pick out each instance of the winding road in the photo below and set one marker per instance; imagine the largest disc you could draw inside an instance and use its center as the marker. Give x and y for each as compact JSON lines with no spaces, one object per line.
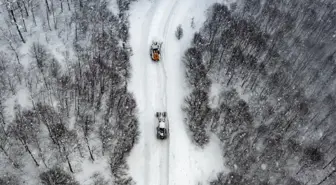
{"x":158,"y":87}
{"x":153,"y":84}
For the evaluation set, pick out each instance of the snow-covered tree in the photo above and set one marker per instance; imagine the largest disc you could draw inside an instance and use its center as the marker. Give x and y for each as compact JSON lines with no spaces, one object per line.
{"x":179,"y":32}
{"x":57,"y":176}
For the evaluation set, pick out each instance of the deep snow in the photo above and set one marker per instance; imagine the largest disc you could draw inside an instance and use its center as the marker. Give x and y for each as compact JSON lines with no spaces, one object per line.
{"x":160,"y":87}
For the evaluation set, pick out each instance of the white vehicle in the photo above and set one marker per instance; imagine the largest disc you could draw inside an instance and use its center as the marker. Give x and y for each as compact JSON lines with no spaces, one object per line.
{"x":162,"y":130}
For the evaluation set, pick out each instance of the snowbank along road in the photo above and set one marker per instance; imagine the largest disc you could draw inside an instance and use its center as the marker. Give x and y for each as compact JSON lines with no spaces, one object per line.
{"x":159,"y":87}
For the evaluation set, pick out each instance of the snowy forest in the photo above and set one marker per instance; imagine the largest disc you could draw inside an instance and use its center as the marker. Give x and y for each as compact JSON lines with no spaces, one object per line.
{"x":56,"y":116}
{"x":263,"y":76}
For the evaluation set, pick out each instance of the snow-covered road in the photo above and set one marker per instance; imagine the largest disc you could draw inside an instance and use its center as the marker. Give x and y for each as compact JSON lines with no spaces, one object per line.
{"x":160,"y":87}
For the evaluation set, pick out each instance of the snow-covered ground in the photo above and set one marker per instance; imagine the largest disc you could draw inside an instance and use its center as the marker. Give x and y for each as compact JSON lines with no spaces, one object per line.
{"x":160,"y":87}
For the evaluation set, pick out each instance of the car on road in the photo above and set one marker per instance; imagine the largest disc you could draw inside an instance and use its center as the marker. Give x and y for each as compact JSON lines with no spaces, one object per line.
{"x":162,"y":130}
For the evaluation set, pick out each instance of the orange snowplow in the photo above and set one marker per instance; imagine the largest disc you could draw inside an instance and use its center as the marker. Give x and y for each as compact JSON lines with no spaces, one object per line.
{"x":156,"y":56}
{"x":155,"y":51}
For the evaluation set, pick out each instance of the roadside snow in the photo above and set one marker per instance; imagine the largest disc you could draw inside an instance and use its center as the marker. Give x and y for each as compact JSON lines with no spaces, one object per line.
{"x":207,"y":163}
{"x":89,"y":168}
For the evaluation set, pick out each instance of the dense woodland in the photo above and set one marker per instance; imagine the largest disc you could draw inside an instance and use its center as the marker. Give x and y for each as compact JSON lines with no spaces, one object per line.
{"x":273,"y":65}
{"x":77,"y":109}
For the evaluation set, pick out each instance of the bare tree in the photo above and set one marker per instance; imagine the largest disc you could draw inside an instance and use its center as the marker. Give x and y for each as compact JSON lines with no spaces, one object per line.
{"x":57,"y":176}
{"x":65,"y":141}
{"x":4,"y":146}
{"x":9,"y":179}
{"x":106,"y":136}
{"x":25,"y":131}
{"x":41,"y":58}
{"x":86,"y":122}
{"x":53,"y":13}
{"x":48,"y":13}
{"x":22,"y":15}
{"x":2,"y":112}
{"x":7,"y":82}
{"x":196,"y":108}
{"x":98,"y":179}
{"x":10,"y":7}
{"x":32,"y":10}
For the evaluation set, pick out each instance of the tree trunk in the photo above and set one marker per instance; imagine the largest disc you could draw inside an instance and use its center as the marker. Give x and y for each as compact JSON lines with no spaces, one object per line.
{"x":244,"y":82}
{"x":41,"y":155}
{"x":26,"y":9}
{"x":15,"y":52}
{"x":11,"y":85}
{"x":103,"y":150}
{"x":79,"y":149}
{"x":301,"y":168}
{"x":49,"y":130}
{"x":262,"y":92}
{"x":329,"y":162}
{"x":326,"y":117}
{"x":8,"y":156}
{"x":19,"y":6}
{"x":2,"y":117}
{"x":90,"y":151}
{"x":80,"y":4}
{"x":22,"y":17}
{"x":47,"y":6}
{"x":228,"y":83}
{"x":30,"y":153}
{"x":53,"y":13}
{"x":61,"y":6}
{"x":330,"y":174}
{"x":48,"y":21}
{"x":32,"y":11}
{"x":76,"y":32}
{"x":68,"y":5}
{"x":69,"y":164}
{"x":17,"y":26}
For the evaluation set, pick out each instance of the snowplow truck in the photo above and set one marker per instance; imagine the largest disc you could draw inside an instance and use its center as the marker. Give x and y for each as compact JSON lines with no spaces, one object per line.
{"x":162,"y":130}
{"x":155,"y":51}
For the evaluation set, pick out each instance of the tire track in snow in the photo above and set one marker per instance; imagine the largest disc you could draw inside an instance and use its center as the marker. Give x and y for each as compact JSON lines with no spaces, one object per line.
{"x":156,"y":84}
{"x":145,"y":128}
{"x":161,"y":167}
{"x":166,"y":149}
{"x":162,"y":17}
{"x":169,"y":27}
{"x":157,"y":21}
